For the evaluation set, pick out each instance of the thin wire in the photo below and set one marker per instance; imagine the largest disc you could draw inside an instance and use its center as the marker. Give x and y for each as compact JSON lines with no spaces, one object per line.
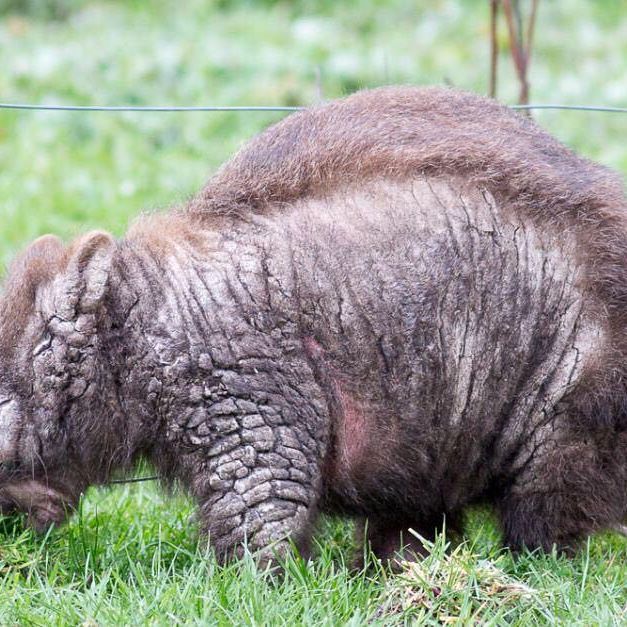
{"x":572,"y":108}
{"x":135,"y":479}
{"x":35,"y":107}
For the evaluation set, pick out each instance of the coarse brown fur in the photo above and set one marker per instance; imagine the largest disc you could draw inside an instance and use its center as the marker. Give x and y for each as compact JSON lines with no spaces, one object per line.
{"x":390,"y":306}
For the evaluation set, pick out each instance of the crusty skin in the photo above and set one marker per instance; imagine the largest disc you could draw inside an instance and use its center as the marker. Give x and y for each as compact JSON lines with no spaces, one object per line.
{"x":391,"y":306}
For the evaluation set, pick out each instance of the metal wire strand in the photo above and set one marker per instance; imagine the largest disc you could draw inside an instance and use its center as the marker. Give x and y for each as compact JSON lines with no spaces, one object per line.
{"x":160,"y":109}
{"x":572,"y":108}
{"x":135,"y":479}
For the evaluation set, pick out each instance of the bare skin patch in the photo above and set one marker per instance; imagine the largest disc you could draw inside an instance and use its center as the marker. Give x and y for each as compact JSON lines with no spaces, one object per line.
{"x":353,"y":430}
{"x":352,"y":427}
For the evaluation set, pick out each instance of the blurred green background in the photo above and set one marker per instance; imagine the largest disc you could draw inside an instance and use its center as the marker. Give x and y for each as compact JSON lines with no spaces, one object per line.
{"x":65,"y":172}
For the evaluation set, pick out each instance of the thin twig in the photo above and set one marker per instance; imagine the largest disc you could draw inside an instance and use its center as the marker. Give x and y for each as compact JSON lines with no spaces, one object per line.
{"x":531,"y":30}
{"x":517,"y":53}
{"x":519,"y":23}
{"x":494,"y":46}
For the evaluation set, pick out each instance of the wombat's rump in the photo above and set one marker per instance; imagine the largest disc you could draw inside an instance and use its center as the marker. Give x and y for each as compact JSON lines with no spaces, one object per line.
{"x":392,"y":306}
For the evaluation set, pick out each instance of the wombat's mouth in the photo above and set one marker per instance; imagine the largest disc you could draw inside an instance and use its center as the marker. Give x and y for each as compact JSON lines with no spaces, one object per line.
{"x":44,"y":505}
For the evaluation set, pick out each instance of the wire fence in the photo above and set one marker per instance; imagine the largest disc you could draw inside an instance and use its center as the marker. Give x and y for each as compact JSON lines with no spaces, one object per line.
{"x":262,"y":108}
{"x":246,"y":108}
{"x":159,"y":109}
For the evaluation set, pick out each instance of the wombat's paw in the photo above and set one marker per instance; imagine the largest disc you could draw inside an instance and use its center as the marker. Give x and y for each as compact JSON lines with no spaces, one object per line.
{"x":280,"y":558}
{"x":43,"y":505}
{"x":41,"y":519}
{"x":270,"y":559}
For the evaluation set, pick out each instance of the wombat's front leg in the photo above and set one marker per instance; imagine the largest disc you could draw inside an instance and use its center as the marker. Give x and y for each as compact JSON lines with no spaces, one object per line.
{"x":263,"y":489}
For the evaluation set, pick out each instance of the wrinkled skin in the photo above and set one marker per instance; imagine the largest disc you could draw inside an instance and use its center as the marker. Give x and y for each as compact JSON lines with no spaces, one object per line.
{"x":389,"y":307}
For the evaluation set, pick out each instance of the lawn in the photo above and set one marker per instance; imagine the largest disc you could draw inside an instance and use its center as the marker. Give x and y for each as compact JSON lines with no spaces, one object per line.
{"x":132,"y":555}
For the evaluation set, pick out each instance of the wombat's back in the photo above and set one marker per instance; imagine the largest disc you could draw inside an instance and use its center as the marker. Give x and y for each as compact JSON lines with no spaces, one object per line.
{"x":398,"y":132}
{"x":461,"y":291}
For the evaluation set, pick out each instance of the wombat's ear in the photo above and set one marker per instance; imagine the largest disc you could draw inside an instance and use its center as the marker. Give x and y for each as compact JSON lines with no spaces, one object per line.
{"x":39,"y":262}
{"x":35,"y":266}
{"x":86,"y":277}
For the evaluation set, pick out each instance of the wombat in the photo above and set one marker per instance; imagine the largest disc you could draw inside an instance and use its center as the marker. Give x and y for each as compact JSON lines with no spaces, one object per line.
{"x":389,"y":307}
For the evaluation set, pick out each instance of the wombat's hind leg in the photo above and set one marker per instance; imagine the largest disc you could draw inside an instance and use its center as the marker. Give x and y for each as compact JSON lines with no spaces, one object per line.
{"x":534,"y":522}
{"x":567,"y":494}
{"x":392,"y":541}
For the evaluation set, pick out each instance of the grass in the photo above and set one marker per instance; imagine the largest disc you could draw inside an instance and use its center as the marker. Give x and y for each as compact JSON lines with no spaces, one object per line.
{"x":131,"y":556}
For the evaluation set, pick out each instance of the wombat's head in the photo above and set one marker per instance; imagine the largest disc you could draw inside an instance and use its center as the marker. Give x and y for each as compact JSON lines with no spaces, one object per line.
{"x":50,"y":378}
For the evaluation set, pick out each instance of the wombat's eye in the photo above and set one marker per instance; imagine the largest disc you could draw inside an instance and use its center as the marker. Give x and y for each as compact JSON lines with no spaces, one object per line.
{"x":43,"y":345}
{"x":8,"y":467}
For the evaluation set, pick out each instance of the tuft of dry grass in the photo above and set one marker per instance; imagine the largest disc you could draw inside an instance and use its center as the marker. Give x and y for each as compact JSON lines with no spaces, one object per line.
{"x":452,"y":585}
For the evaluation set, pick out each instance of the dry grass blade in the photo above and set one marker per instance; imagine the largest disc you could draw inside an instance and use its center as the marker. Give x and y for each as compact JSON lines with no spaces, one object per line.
{"x":449,"y":586}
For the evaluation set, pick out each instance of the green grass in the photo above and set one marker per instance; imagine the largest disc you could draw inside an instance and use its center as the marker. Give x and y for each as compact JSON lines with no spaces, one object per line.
{"x":131,"y":556}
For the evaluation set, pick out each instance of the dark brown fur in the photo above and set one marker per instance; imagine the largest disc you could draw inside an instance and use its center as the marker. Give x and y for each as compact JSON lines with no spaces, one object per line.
{"x":390,"y":306}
